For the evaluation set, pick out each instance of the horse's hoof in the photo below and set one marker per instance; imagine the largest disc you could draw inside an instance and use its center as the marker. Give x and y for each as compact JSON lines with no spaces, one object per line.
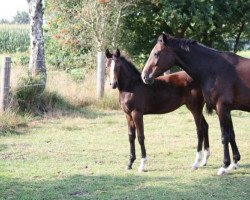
{"x":233,"y":166}
{"x":222,"y":171}
{"x":203,"y":164}
{"x":128,"y":168}
{"x":194,"y":167}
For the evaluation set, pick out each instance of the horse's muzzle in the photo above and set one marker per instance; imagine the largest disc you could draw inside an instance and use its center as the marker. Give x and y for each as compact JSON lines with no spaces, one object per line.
{"x":147,"y":80}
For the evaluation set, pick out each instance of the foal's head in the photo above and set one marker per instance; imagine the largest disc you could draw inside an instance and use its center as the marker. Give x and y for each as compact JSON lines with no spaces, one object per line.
{"x":160,"y":60}
{"x":112,"y":67}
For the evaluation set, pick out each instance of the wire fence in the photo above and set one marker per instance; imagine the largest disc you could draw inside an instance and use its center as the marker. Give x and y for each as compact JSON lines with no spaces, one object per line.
{"x":6,"y":86}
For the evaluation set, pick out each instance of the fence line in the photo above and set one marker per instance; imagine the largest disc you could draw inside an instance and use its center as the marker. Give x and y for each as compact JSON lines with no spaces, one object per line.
{"x":5,"y":83}
{"x":5,"y":79}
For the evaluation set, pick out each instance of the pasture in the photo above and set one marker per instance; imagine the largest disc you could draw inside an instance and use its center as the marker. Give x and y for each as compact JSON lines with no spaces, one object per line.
{"x":83,"y":156}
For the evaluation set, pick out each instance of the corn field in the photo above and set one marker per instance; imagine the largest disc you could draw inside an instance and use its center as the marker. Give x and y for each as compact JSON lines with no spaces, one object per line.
{"x":14,"y":38}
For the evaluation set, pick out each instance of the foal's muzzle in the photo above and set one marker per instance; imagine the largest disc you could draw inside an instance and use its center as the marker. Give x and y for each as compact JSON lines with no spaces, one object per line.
{"x":114,"y":85}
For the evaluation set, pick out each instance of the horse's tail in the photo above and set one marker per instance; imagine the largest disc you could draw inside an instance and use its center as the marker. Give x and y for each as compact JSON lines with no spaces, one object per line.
{"x":209,"y":109}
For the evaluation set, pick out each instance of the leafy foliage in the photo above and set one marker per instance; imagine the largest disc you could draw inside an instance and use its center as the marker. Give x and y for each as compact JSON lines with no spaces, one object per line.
{"x":21,"y":17}
{"x":77,"y":28}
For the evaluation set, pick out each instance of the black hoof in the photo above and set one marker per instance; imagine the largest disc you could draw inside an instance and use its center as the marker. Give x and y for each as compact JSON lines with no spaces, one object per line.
{"x":128,"y":167}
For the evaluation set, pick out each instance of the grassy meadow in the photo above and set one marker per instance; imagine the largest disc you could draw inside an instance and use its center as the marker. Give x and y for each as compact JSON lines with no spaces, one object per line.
{"x":79,"y":149}
{"x":84,"y":157}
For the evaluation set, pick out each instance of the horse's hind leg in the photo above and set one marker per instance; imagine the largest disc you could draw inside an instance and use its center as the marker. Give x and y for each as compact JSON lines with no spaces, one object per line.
{"x":202,"y":131}
{"x":200,"y":136}
{"x":138,"y":120}
{"x":236,"y":154}
{"x":206,"y":143}
{"x":131,"y":136}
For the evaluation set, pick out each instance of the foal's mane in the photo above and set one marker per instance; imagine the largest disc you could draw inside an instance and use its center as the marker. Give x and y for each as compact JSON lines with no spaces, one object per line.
{"x":131,"y":66}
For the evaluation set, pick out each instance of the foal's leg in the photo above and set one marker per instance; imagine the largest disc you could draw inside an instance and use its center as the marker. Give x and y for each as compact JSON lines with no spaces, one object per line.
{"x":228,"y":136}
{"x":138,"y":120}
{"x":206,"y":142}
{"x":200,"y":136}
{"x":196,"y":108}
{"x":131,"y":136}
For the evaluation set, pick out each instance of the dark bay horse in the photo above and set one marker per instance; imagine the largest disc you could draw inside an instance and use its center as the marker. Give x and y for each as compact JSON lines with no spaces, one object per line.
{"x":166,"y":95}
{"x":223,"y":77}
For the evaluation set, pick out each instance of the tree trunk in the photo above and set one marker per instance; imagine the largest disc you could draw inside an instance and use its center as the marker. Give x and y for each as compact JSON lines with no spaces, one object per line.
{"x":237,"y":39}
{"x":37,"y":60}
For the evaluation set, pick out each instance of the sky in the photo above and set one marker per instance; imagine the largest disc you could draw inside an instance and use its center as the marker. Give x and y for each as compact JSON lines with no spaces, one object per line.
{"x":9,"y":8}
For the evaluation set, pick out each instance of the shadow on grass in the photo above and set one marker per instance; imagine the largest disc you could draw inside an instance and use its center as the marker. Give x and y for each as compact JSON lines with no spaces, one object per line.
{"x":125,"y":187}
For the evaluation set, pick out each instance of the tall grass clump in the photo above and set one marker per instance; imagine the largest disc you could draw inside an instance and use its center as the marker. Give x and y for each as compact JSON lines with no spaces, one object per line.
{"x":14,"y":38}
{"x":10,"y":121}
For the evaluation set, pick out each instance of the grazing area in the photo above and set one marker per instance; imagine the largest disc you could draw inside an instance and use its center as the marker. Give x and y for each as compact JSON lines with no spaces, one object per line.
{"x":63,"y":134}
{"x":84,"y":155}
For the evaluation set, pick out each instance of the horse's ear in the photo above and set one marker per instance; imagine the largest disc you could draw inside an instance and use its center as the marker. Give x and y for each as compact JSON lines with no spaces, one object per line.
{"x":164,"y":37}
{"x":117,"y":53}
{"x":108,"y":54}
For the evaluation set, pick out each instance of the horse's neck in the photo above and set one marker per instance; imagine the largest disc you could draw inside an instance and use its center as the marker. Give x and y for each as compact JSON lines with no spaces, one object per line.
{"x":194,"y":62}
{"x":127,"y":81}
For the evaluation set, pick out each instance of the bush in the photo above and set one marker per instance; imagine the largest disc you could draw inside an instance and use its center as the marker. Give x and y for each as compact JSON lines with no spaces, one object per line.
{"x":29,"y":95}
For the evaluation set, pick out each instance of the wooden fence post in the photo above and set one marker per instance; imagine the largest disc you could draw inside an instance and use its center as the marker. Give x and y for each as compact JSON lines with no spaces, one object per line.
{"x":5,"y":83}
{"x":100,"y":74}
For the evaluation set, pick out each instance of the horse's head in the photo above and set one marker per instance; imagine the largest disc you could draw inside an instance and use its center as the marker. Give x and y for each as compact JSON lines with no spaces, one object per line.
{"x":160,"y":60}
{"x":113,"y":68}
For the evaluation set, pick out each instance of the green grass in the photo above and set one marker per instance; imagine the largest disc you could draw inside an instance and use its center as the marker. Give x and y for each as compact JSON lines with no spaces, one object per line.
{"x":84,"y":157}
{"x":245,"y":54}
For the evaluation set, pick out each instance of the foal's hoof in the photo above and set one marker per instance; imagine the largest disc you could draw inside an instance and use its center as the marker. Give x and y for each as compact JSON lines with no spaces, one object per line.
{"x":203,"y":163}
{"x":194,"y":167}
{"x":233,"y":166}
{"x":222,"y":171}
{"x":140,"y":170}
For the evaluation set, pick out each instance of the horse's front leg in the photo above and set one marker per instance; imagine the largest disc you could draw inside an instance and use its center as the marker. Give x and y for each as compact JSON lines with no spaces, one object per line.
{"x":131,"y":136}
{"x":138,"y":120}
{"x":228,"y":136}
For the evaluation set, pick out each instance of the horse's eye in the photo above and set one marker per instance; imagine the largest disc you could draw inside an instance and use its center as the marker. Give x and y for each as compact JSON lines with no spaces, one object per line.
{"x":156,"y":53}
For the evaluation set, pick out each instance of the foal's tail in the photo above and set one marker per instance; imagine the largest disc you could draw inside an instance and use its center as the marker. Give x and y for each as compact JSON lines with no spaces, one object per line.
{"x":209,"y":109}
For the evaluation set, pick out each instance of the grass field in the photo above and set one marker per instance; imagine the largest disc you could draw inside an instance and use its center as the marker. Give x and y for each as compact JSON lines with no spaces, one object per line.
{"x":83,"y":156}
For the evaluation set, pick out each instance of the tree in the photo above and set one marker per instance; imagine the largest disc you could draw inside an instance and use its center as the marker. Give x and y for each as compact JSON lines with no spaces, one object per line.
{"x":21,"y":18}
{"x":218,"y":24}
{"x":37,"y":59}
{"x":4,"y":21}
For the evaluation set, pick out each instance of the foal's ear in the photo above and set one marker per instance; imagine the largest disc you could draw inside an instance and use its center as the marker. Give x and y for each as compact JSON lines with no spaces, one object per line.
{"x":117,"y":53}
{"x":108,"y":54}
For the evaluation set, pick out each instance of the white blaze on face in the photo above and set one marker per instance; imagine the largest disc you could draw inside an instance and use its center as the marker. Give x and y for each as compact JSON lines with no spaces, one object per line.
{"x":112,"y":72}
{"x":145,"y":66}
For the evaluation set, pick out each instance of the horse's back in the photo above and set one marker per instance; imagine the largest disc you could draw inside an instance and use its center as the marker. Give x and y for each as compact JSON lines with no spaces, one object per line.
{"x":178,"y":79}
{"x":191,"y":92}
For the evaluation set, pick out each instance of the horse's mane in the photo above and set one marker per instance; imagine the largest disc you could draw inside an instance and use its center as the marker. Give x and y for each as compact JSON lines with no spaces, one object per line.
{"x":183,"y":43}
{"x":130,"y":65}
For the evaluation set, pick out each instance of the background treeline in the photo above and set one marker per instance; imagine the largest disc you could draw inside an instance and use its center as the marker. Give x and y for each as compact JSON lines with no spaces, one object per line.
{"x":80,"y":28}
{"x":75,"y":30}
